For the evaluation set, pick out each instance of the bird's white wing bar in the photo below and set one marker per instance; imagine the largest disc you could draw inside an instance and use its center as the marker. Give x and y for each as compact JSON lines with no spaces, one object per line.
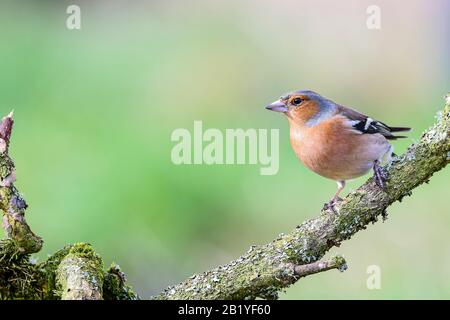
{"x":368,"y":123}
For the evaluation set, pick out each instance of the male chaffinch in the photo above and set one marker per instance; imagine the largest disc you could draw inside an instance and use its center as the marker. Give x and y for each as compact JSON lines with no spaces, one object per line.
{"x":334,"y":141}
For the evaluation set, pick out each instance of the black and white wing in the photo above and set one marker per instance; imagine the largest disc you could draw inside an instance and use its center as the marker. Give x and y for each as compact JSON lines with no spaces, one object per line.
{"x":365,"y":124}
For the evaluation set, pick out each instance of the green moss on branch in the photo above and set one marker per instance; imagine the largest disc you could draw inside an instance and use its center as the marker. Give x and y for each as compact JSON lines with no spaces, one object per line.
{"x":80,"y":274}
{"x":115,"y":287}
{"x":11,"y":202}
{"x":20,"y":278}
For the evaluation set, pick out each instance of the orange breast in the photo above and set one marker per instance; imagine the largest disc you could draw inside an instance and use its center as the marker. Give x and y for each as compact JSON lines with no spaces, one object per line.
{"x":334,"y":151}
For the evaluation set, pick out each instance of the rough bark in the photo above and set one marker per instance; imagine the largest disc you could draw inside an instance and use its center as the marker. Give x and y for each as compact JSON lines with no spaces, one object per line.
{"x":80,"y":274}
{"x":12,"y":204}
{"x":76,"y":271}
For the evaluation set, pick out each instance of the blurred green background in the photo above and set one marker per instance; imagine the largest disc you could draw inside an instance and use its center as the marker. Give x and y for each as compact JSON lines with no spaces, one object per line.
{"x":95,"y":109}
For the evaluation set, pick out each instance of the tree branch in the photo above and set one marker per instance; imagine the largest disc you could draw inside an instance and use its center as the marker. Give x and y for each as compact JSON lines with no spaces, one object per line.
{"x":80,"y":274}
{"x":337,"y":262}
{"x":11,"y":202}
{"x":266,"y":269}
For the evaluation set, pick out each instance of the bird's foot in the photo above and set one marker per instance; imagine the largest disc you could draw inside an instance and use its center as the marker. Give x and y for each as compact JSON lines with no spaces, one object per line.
{"x":380,"y":175}
{"x":331,"y":204}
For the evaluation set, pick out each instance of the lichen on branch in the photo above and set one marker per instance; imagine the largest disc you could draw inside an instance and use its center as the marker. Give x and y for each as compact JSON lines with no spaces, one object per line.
{"x":11,"y":202}
{"x":80,"y":274}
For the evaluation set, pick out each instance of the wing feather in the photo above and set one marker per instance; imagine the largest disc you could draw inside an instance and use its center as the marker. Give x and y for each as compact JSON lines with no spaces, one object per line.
{"x":367,"y":125}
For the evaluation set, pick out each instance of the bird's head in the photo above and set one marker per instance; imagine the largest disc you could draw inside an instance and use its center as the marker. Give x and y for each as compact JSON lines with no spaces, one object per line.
{"x":304,"y":107}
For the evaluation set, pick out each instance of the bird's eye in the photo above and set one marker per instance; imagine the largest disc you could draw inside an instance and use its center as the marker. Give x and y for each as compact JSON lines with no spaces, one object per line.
{"x":297,"y":101}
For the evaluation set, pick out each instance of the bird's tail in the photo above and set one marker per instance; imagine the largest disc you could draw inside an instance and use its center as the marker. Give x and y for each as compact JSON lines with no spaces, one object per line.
{"x":399,"y":129}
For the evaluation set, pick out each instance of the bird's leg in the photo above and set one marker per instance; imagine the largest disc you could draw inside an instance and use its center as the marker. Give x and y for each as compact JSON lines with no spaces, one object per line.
{"x":336,"y":198}
{"x":379,"y":174}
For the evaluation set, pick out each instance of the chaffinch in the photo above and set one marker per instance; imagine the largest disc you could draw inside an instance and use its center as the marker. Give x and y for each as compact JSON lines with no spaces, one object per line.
{"x":334,"y":141}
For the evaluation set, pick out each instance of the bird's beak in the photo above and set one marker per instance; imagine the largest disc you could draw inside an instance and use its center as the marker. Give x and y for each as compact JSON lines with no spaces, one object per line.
{"x":277,"y":106}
